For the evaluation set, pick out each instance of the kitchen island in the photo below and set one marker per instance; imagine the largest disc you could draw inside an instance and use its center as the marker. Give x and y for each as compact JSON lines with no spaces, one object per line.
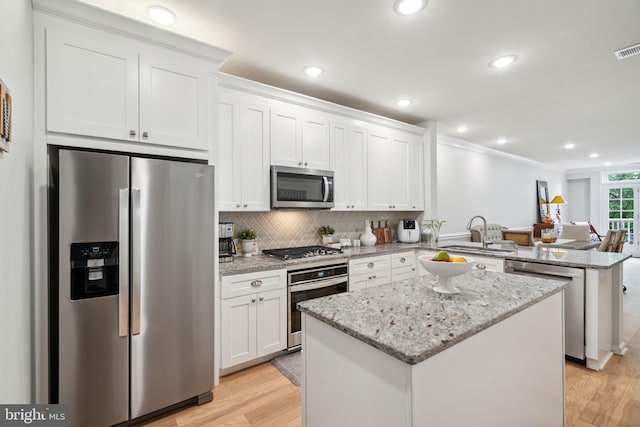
{"x":404,"y":355}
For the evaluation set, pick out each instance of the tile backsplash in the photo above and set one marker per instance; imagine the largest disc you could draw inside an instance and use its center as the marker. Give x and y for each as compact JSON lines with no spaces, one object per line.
{"x":280,"y":229}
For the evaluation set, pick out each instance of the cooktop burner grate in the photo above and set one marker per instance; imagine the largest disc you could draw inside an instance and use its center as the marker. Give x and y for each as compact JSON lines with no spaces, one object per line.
{"x":301,"y":252}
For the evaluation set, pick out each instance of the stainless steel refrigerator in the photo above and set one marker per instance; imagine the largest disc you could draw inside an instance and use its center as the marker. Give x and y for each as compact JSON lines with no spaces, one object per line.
{"x":131,"y":287}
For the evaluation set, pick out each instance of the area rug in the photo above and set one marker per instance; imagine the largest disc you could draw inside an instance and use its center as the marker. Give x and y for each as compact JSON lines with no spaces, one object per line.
{"x":290,"y":365}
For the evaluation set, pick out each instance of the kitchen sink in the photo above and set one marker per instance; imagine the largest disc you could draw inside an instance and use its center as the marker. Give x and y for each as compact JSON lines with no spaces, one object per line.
{"x":476,"y":248}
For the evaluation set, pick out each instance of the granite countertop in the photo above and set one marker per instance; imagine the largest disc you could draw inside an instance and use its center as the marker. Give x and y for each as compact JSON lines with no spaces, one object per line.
{"x":545,"y":255}
{"x":265,"y":262}
{"x":542,"y":254}
{"x":411,"y":322}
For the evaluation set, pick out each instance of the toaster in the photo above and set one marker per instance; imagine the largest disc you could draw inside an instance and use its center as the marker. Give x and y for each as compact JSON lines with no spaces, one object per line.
{"x":408,"y":231}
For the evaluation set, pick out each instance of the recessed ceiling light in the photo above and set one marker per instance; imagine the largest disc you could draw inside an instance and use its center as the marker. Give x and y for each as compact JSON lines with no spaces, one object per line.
{"x":409,"y":7}
{"x":501,"y":141}
{"x":594,"y":155}
{"x":503,"y":61}
{"x":403,"y":102}
{"x":313,"y":71}
{"x":569,"y":145}
{"x":462,"y":129}
{"x":607,"y":164}
{"x":161,"y":15}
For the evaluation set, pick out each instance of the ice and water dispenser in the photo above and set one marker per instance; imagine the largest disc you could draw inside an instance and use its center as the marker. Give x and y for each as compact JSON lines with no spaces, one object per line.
{"x":94,"y":269}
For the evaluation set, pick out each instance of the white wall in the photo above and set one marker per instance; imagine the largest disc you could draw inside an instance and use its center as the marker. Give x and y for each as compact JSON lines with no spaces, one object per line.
{"x":16,"y":70}
{"x":477,"y":181}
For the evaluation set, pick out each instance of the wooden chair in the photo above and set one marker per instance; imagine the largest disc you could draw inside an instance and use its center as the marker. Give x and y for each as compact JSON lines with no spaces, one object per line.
{"x":614,"y":242}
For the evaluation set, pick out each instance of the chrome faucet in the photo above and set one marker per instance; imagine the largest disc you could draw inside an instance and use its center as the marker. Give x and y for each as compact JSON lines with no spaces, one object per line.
{"x":484,"y":229}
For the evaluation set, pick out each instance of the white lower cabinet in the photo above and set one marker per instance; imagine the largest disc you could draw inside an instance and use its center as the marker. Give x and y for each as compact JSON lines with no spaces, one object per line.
{"x":369,"y":271}
{"x":254,"y":316}
{"x":403,"y":266}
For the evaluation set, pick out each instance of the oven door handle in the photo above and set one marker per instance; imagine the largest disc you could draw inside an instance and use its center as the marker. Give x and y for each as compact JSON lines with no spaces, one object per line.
{"x":318,"y":285}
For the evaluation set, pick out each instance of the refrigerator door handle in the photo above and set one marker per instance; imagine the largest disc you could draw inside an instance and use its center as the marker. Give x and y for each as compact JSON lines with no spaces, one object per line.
{"x":123,"y":272}
{"x":136,"y":259}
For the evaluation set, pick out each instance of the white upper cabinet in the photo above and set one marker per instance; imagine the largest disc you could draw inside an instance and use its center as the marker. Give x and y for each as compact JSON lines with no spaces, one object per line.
{"x":173,"y":99}
{"x":109,"y":79}
{"x":388,"y":170}
{"x":316,"y":147}
{"x":349,"y":145}
{"x":299,"y":138}
{"x":92,"y":84}
{"x":243,"y":153}
{"x":416,"y":174}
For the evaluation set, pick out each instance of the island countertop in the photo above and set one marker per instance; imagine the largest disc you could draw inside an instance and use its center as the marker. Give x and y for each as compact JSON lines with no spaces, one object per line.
{"x":411,"y":322}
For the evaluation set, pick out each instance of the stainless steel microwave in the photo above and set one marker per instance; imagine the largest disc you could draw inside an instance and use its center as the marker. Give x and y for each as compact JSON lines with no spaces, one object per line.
{"x":299,"y":188}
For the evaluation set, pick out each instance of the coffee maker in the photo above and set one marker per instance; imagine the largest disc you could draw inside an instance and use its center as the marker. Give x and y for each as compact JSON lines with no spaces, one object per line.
{"x":226,"y":245}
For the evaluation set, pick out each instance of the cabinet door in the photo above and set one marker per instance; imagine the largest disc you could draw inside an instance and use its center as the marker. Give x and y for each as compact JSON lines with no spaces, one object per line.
{"x":271,"y":322}
{"x":316,"y":150}
{"x":255,"y":159}
{"x":398,"y":179}
{"x":358,"y":281}
{"x":173,"y":99}
{"x":380,"y":278}
{"x":286,"y":137}
{"x":228,"y":167}
{"x":416,"y":175}
{"x":402,"y":273}
{"x":378,"y":171}
{"x":92,"y":84}
{"x":356,"y":153}
{"x":340,"y":166}
{"x":238,"y":330}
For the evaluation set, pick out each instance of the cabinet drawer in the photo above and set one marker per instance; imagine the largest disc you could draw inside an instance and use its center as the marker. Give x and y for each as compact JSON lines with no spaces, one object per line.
{"x":250,"y":283}
{"x":403,"y":259}
{"x":369,"y":264}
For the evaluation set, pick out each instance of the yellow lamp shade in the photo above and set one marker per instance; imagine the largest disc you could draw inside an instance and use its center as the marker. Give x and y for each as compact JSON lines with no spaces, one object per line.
{"x":558,"y":200}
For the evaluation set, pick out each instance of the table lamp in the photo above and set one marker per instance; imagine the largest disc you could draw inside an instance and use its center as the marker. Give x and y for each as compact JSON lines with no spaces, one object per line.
{"x":558,"y":200}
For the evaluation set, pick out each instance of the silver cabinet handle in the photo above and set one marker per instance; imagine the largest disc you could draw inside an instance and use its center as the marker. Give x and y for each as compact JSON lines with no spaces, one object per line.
{"x":132,"y":133}
{"x":137,"y":274}
{"x":305,"y":163}
{"x":370,"y":265}
{"x":261,"y":298}
{"x":390,"y":206}
{"x":245,"y":205}
{"x":374,"y":277}
{"x":403,"y":259}
{"x":145,"y":135}
{"x":299,"y":163}
{"x":123,"y":272}
{"x":256,"y":283}
{"x":481,"y":266}
{"x":238,"y":205}
{"x":253,"y":300}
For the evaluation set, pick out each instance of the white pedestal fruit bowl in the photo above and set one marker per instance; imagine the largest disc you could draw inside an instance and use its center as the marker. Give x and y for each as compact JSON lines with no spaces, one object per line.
{"x":445,"y":271}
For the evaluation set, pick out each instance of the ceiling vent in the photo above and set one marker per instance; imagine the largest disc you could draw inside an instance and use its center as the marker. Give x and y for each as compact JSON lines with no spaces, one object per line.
{"x":627,"y":52}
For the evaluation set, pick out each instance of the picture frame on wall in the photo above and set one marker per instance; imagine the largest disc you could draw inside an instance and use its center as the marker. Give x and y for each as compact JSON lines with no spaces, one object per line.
{"x":6,"y":113}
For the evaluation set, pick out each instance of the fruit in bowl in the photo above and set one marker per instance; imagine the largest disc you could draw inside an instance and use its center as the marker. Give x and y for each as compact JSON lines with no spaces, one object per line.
{"x":445,"y":267}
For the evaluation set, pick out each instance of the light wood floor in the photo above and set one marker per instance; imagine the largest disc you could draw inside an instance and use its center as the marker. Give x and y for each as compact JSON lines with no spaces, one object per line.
{"x":261,"y":396}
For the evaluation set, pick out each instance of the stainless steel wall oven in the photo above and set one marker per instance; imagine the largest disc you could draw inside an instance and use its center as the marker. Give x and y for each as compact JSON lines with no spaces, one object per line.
{"x":310,"y":282}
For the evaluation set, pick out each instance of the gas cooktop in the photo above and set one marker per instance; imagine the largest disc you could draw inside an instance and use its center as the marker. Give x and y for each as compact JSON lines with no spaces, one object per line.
{"x":301,"y":252}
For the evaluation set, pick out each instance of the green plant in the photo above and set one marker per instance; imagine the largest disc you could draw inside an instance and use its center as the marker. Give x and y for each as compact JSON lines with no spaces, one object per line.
{"x":326,"y":230}
{"x":247,"y":234}
{"x":434,"y":224}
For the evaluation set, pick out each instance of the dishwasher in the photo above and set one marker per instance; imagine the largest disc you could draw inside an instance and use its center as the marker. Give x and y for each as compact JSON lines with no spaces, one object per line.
{"x":574,"y":304}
